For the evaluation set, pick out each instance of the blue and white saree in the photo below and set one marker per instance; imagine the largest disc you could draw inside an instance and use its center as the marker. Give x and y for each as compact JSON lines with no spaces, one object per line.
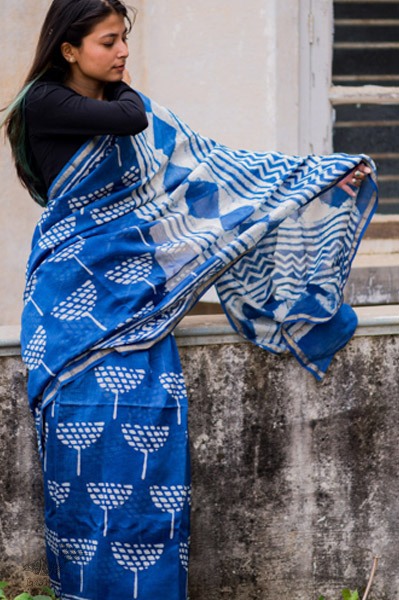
{"x":135,"y":231}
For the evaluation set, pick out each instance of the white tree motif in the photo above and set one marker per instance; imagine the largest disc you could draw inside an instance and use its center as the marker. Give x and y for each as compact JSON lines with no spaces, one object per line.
{"x":131,"y":176}
{"x":118,"y":380}
{"x":46,"y":434}
{"x":175,"y":386}
{"x":79,"y":551}
{"x":36,"y":349}
{"x":132,"y":270}
{"x":108,"y":496}
{"x":136,"y":557}
{"x":116,"y":210}
{"x":45,"y":215}
{"x":79,"y":436}
{"x":71,"y":252}
{"x":141,"y":235}
{"x":79,"y":305}
{"x":58,"y":233}
{"x":184,"y":554}
{"x":53,"y":542}
{"x":29,"y":291}
{"x":81,"y":202}
{"x":145,"y":439}
{"x":169,"y":499}
{"x":59,"y":492}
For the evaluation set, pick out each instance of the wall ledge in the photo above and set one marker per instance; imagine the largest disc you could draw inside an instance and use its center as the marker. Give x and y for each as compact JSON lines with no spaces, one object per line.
{"x":203,"y":330}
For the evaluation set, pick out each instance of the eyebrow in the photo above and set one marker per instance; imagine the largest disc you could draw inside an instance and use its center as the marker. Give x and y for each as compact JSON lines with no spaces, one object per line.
{"x":113,"y":35}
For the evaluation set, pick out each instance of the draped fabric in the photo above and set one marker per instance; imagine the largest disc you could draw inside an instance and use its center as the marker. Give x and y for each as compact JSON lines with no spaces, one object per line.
{"x":135,"y":230}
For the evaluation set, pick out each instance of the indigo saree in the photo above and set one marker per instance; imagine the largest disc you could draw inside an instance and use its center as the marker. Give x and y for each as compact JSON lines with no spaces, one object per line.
{"x":136,"y":229}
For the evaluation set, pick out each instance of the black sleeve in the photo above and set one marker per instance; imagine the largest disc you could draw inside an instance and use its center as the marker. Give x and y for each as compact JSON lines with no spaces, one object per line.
{"x":54,"y":109}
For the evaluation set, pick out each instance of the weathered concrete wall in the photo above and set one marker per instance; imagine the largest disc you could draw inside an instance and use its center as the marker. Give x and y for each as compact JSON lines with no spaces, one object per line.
{"x":295,"y":482}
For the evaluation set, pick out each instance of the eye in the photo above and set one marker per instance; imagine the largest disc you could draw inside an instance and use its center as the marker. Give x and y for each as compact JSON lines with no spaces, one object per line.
{"x":108,"y":44}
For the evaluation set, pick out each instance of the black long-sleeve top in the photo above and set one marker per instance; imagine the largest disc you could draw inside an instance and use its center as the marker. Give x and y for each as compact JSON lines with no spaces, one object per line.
{"x":60,"y":120}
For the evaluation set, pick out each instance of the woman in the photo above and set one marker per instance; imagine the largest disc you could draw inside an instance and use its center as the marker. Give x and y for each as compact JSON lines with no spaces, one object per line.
{"x":142,"y":216}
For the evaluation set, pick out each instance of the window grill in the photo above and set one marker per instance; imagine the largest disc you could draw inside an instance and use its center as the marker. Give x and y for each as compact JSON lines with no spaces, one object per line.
{"x":366,"y":57}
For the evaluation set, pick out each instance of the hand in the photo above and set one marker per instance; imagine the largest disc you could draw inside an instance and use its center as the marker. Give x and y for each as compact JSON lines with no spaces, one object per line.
{"x":354,"y":179}
{"x":126,"y":77}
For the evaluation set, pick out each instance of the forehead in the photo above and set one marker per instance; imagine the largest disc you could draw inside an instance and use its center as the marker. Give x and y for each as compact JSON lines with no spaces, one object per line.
{"x":113,"y":23}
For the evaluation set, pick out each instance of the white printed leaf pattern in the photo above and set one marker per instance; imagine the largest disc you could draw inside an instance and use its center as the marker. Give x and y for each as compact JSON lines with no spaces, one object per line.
{"x":59,"y":492}
{"x":79,"y":203}
{"x":116,"y":210}
{"x":145,"y":439}
{"x":36,"y":350}
{"x":109,"y":496}
{"x":118,"y":380}
{"x":175,"y":386}
{"x":29,"y":291}
{"x":71,"y":252}
{"x":79,"y":305}
{"x":80,"y":551}
{"x":184,"y":554}
{"x":79,"y":436}
{"x":169,"y":499}
{"x":132,"y":270}
{"x":131,"y":176}
{"x":136,"y":557}
{"x":58,"y":233}
{"x":53,"y":543}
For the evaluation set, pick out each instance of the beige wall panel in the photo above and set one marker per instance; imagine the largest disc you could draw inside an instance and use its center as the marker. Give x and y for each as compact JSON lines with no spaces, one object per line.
{"x":227,"y":67}
{"x":21,"y":21}
{"x":213,"y":63}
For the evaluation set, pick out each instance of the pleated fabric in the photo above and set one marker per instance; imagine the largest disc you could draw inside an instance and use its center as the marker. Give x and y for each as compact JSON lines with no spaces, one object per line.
{"x":117,"y":479}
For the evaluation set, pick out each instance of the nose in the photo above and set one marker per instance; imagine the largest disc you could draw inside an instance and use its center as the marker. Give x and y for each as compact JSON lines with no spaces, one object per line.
{"x":123,"y":49}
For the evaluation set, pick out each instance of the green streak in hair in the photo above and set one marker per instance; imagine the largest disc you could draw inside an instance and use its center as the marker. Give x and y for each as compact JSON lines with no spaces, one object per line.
{"x":20,"y":150}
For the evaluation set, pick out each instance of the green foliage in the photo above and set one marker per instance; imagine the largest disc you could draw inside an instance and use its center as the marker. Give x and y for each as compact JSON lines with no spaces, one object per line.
{"x":346,"y":595}
{"x":3,"y":585}
{"x":25,"y":596}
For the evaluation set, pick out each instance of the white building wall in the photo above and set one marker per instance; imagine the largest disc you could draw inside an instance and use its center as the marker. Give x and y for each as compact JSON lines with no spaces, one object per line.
{"x":229,"y":68}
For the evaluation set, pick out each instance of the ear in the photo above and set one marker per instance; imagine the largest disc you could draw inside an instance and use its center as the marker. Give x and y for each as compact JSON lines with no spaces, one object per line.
{"x":68,"y":52}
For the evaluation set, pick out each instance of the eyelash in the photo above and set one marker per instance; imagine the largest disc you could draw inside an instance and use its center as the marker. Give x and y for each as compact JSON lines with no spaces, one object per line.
{"x":109,"y":45}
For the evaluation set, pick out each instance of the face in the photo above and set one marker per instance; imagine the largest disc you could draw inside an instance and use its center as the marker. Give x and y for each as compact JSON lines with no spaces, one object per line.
{"x":102,"y":55}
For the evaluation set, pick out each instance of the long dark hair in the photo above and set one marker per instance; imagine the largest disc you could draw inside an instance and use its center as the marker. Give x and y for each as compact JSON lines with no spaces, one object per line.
{"x":66,"y":21}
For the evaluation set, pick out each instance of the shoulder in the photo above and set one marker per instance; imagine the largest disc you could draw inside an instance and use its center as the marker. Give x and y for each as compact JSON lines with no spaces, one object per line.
{"x":42,"y":91}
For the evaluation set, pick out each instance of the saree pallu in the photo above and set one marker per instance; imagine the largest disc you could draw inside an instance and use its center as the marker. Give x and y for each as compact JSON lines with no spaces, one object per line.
{"x":137,"y":229}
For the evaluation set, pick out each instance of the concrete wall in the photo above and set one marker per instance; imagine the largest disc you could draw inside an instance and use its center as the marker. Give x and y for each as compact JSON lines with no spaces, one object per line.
{"x":227,"y":70}
{"x":295,"y":482}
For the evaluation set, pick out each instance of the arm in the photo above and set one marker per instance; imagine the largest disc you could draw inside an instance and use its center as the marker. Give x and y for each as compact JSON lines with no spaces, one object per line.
{"x":55,"y":109}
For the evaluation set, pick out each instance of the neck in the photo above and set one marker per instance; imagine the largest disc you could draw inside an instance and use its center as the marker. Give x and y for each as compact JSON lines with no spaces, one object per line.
{"x":90,"y":89}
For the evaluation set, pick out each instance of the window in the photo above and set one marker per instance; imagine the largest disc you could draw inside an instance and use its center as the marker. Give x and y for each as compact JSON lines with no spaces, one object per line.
{"x":365,"y":91}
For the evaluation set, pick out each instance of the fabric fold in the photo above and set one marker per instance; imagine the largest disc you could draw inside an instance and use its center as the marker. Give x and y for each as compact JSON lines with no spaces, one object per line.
{"x":138,"y":228}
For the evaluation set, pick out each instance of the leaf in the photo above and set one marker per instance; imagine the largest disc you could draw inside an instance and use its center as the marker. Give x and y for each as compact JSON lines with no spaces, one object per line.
{"x":348,"y":595}
{"x":49,"y":591}
{"x":24,"y":596}
{"x":322,"y":598}
{"x":41,"y":597}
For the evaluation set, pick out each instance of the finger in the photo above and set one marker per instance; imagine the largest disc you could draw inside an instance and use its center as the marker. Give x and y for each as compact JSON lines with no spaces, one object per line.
{"x":363,"y":168}
{"x":348,"y":190}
